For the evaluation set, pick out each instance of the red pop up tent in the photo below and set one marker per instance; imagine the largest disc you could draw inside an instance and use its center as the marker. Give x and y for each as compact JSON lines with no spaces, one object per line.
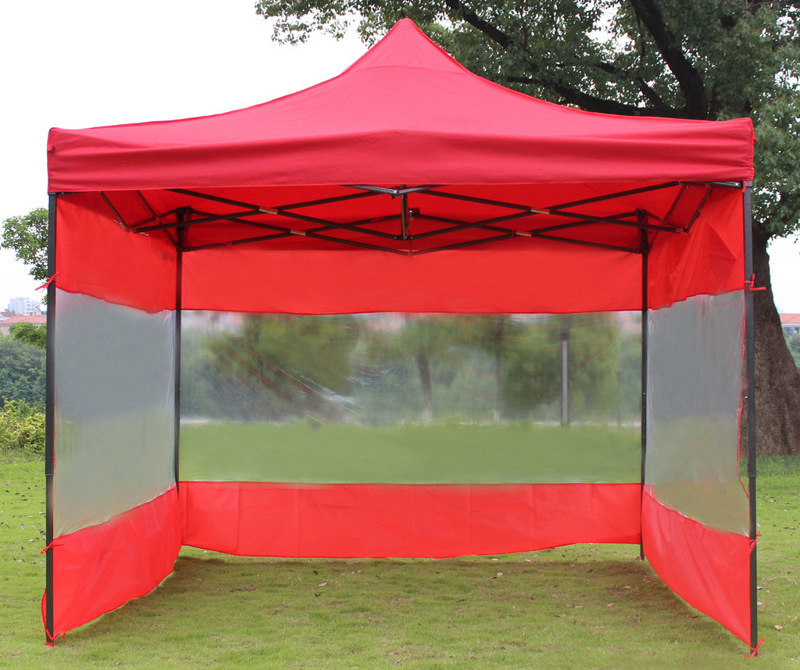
{"x":406,"y":184}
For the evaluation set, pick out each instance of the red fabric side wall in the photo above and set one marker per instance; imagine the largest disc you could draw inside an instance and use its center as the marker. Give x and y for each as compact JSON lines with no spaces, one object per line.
{"x":518,"y":277}
{"x":95,"y":256}
{"x":435,"y":521}
{"x":709,"y":569}
{"x":709,"y":261}
{"x":97,"y":569}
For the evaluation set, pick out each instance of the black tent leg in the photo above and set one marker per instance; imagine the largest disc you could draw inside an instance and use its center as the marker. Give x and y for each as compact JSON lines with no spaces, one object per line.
{"x":49,"y":454}
{"x":565,"y":332}
{"x":645,"y":328}
{"x":750,"y":365}
{"x":178,"y":333}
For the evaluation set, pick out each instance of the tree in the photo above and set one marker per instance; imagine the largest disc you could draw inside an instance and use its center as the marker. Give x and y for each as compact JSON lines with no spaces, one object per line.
{"x":793,"y":341}
{"x":490,"y":333}
{"x":22,"y":372}
{"x":27,"y":236}
{"x":706,"y":59}
{"x":281,"y":367}
{"x":532,"y":367}
{"x":595,"y":346}
{"x":425,"y":340}
{"x":29,"y":333}
{"x":532,"y":362}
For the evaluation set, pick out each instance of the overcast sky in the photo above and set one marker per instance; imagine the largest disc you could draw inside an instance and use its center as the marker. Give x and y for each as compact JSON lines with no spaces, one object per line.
{"x":86,"y":63}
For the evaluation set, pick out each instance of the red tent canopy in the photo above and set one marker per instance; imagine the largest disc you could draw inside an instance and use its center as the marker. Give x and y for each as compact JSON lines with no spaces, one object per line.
{"x":404,"y":112}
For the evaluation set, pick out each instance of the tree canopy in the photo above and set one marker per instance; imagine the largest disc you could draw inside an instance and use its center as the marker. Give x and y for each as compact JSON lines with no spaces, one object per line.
{"x":275,"y":367}
{"x":26,"y":235}
{"x":22,"y":372}
{"x":29,"y":333}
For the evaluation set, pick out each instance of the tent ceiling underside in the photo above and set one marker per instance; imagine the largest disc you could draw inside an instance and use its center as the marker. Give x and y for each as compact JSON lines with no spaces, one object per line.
{"x":413,"y":220}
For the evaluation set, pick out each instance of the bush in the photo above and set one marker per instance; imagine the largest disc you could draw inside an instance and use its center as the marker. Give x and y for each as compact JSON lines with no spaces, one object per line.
{"x":22,"y":371}
{"x":22,"y":428}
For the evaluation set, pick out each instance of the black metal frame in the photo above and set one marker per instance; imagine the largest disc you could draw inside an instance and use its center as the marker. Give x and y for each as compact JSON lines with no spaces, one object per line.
{"x":49,"y":453}
{"x":252,"y":215}
{"x":177,"y":353}
{"x":645,"y":368}
{"x":750,"y":368}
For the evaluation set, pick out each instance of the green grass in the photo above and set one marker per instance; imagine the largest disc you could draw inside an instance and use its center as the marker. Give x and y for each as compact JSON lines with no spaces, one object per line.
{"x":586,"y":606}
{"x":440,"y":453}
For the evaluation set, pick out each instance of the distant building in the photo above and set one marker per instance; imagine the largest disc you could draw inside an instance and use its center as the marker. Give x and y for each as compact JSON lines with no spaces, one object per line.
{"x":25,"y":307}
{"x":6,"y":323}
{"x":791,"y":323}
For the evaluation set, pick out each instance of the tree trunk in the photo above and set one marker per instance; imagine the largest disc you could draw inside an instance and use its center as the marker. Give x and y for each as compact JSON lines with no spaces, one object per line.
{"x":424,"y":367}
{"x":498,"y":367}
{"x":777,"y":377}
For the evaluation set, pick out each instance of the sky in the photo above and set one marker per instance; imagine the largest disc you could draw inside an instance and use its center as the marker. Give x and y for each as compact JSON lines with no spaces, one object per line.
{"x":87,"y":63}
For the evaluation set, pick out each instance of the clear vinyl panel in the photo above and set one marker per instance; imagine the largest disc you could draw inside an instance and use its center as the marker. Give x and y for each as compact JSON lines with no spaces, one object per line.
{"x":114,"y":397}
{"x":694,"y":387}
{"x":410,"y":398}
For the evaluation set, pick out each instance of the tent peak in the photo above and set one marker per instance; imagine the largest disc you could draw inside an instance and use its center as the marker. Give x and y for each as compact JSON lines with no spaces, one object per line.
{"x":405,"y":45}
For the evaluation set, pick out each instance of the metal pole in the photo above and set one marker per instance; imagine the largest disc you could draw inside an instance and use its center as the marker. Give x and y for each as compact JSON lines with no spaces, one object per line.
{"x":645,"y":368}
{"x":404,"y":217}
{"x":178,"y":330}
{"x":565,"y":420}
{"x":49,"y":453}
{"x":750,"y":366}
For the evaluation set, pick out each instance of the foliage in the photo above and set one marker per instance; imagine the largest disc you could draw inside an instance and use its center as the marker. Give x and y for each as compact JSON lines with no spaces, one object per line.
{"x":276,"y":367}
{"x":629,"y":376}
{"x":422,"y":342}
{"x":29,"y":333}
{"x":492,"y":368}
{"x":793,"y":342}
{"x":27,"y":235}
{"x":532,"y":367}
{"x":309,"y":348}
{"x":399,"y":368}
{"x":594,"y":349}
{"x":198,"y":395}
{"x":22,"y":371}
{"x":709,"y":59}
{"x":22,"y":428}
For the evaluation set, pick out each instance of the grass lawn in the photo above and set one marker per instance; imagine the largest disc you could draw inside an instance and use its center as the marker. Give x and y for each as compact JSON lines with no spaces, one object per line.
{"x":435,"y":454}
{"x":586,"y":606}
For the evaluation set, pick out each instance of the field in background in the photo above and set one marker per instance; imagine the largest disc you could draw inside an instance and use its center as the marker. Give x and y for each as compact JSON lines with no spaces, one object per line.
{"x":439,"y":453}
{"x":586,"y":606}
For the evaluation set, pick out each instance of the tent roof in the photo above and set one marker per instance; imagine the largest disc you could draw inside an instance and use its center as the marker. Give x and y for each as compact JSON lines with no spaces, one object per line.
{"x":404,"y":113}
